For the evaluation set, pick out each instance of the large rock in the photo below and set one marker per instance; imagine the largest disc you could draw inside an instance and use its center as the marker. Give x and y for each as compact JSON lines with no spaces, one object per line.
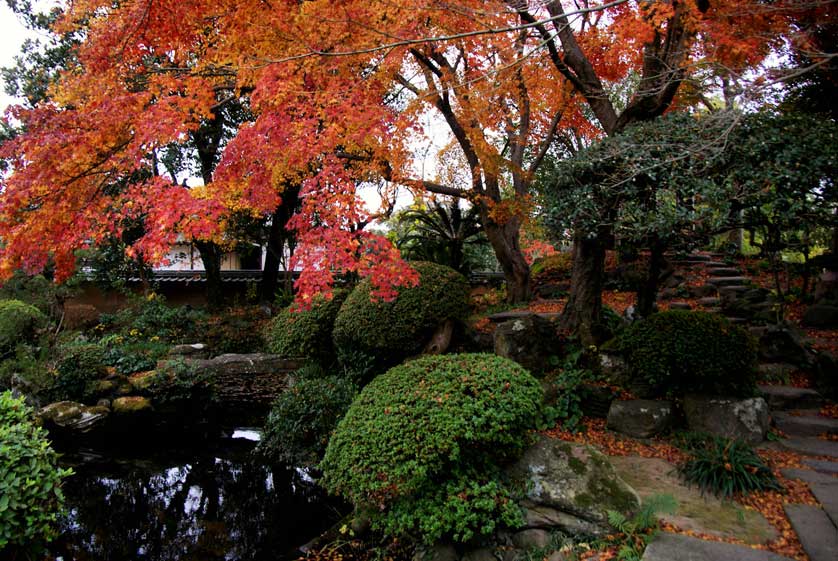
{"x":529,"y":340}
{"x":743,"y":419}
{"x":247,"y":379}
{"x":194,"y":350}
{"x":675,"y":547}
{"x":640,"y":418}
{"x":131,"y":405}
{"x":782,"y":344}
{"x":822,"y":315}
{"x":69,"y":416}
{"x":570,"y":487}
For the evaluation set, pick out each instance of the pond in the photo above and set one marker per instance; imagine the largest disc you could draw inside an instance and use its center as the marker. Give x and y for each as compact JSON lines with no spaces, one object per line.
{"x":206,"y":501}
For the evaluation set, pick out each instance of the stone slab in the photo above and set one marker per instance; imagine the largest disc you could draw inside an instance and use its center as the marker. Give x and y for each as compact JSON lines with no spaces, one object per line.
{"x":815,"y":530}
{"x":518,"y":314}
{"x":675,"y":547}
{"x":781,"y":398}
{"x":724,"y":272}
{"x":805,"y":425}
{"x":823,"y":466}
{"x":811,"y":446}
{"x":809,"y":476}
{"x":728,"y":281}
{"x":709,"y":301}
{"x":680,"y":306}
{"x":827,"y":495}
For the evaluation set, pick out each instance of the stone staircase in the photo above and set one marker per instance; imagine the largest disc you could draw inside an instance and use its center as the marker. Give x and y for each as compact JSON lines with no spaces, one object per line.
{"x":795,"y":412}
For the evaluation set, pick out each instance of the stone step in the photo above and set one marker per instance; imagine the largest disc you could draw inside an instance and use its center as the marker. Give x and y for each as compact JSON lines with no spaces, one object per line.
{"x":715,"y":264}
{"x":804,"y":425}
{"x":709,"y":302}
{"x":737,"y":321}
{"x":827,"y":494}
{"x":811,"y":446}
{"x":784,"y":398}
{"x":731,"y":292}
{"x":728,"y":281}
{"x":518,"y":314}
{"x":680,"y":306}
{"x":677,"y":547}
{"x":724,"y":272}
{"x":822,"y":466}
{"x":712,"y":310}
{"x":817,"y":534}
{"x":809,"y":476}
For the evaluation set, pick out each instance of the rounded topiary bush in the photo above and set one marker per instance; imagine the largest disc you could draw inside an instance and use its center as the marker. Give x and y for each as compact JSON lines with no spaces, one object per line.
{"x":306,"y":333}
{"x":679,"y":352}
{"x":30,"y":481}
{"x":79,"y":366}
{"x":302,"y":419}
{"x":420,"y":446}
{"x":391,"y":331}
{"x":18,"y":323}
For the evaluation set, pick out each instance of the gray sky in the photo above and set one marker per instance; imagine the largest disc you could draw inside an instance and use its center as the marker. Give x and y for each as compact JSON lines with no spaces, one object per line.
{"x":12,"y":35}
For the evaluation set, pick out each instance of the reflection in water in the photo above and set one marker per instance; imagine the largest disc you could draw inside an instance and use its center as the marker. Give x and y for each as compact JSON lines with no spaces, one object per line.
{"x":208,"y":505}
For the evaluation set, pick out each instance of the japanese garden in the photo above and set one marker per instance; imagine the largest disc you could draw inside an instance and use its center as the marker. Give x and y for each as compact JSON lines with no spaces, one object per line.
{"x":464,"y":280}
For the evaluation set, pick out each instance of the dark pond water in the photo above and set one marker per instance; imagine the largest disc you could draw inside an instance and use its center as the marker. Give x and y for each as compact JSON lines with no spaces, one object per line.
{"x":208,"y":501}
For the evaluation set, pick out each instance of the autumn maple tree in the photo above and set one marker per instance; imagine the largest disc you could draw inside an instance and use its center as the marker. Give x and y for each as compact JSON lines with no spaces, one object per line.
{"x":337,"y":91}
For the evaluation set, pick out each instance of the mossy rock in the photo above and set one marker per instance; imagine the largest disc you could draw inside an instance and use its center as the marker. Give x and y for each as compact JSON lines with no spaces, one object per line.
{"x":142,"y":381}
{"x":131,"y":405}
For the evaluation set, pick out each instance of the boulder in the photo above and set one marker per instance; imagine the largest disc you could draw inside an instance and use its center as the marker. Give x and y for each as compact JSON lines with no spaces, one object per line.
{"x":821,"y":315}
{"x":640,"y":418}
{"x":195,"y":350}
{"x":743,"y":419}
{"x":141,"y":381}
{"x":613,"y":367}
{"x":570,"y":487}
{"x":529,"y":340}
{"x":782,"y":344}
{"x":69,"y":416}
{"x":131,"y":405}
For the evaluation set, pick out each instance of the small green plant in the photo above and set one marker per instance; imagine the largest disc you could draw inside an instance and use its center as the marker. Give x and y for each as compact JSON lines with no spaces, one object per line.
{"x":306,"y":333}
{"x":79,"y":366}
{"x":177,"y":382}
{"x":30,"y":482}
{"x":636,"y":532}
{"x":677,"y":352}
{"x":420,"y":446}
{"x":726,"y":467}
{"x":303,"y":418}
{"x":18,"y":324}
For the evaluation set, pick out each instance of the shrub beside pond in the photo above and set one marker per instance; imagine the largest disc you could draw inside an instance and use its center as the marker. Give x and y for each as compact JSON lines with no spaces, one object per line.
{"x":679,"y":352}
{"x":18,"y":323}
{"x":306,"y":333}
{"x":30,"y":481}
{"x":391,"y":331}
{"x":420,"y":446}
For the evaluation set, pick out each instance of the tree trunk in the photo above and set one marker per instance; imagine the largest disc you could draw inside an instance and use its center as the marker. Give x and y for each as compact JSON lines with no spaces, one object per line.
{"x":278,"y":236}
{"x":505,"y":241}
{"x":211,"y":257}
{"x":647,"y":292}
{"x":583,"y":312}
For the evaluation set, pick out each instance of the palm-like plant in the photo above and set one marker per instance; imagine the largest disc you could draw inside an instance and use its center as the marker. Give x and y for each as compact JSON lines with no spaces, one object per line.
{"x":440,"y":232}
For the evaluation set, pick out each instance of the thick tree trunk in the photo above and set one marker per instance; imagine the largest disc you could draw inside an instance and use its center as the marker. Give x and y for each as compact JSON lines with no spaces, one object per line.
{"x":273,"y":254}
{"x":505,"y":241}
{"x":647,"y":292}
{"x":211,"y":257}
{"x":583,"y":312}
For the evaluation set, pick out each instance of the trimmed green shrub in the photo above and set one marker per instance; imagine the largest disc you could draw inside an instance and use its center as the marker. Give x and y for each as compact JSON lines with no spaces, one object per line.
{"x":303,"y":418}
{"x":420,"y":446}
{"x":391,"y":331}
{"x":678,"y":352}
{"x":306,"y":333}
{"x":79,"y":366}
{"x":726,"y":467}
{"x":30,"y":481}
{"x":18,"y":323}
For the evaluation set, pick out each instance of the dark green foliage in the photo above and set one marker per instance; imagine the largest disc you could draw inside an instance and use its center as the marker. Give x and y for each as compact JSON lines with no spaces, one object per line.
{"x":18,"y":323}
{"x":677,"y":352}
{"x":726,"y":467}
{"x":30,"y":482}
{"x":79,"y":365}
{"x":391,"y":331}
{"x":303,"y":417}
{"x":306,"y":333}
{"x":433,"y":425}
{"x":37,"y":291}
{"x":636,"y":533}
{"x":129,"y":355}
{"x":238,"y":330}
{"x":150,"y":317}
{"x":176,"y":382}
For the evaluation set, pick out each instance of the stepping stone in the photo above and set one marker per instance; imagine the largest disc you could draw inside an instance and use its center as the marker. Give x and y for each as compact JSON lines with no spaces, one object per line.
{"x":715,"y":264}
{"x":680,"y":306}
{"x":815,"y":530}
{"x":805,"y":425}
{"x":728,"y":281}
{"x":811,"y":446}
{"x":709,"y":302}
{"x":724,"y":272}
{"x":809,"y":476}
{"x":827,"y":495}
{"x":675,"y":547}
{"x":823,"y":466}
{"x":737,"y":321}
{"x":518,"y":314}
{"x":783,"y":398}
{"x":732,"y":291}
